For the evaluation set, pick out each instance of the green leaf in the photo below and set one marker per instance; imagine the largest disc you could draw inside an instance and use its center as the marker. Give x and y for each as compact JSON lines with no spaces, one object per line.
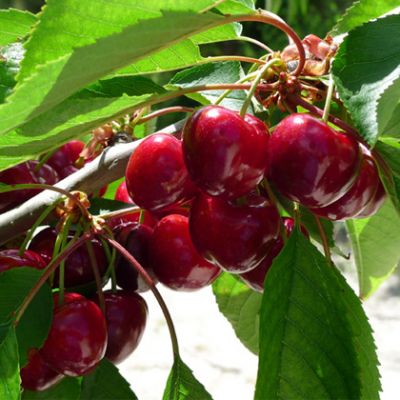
{"x":51,"y":83}
{"x":67,"y":389}
{"x":219,"y":34}
{"x":14,"y":25}
{"x":241,"y":307}
{"x":362,"y":11}
{"x":236,"y":6}
{"x":183,"y":385}
{"x":367,"y":75}
{"x":106,"y":383}
{"x":221,"y":72}
{"x":9,"y":368}
{"x":375,"y":242}
{"x":315,"y":340}
{"x":10,"y":58}
{"x":34,"y":326}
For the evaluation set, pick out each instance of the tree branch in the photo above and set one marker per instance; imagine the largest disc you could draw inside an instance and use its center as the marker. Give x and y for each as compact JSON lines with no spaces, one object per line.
{"x":106,"y":168}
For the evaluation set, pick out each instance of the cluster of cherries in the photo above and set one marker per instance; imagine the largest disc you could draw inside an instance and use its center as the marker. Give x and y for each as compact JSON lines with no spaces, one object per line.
{"x":205,"y":208}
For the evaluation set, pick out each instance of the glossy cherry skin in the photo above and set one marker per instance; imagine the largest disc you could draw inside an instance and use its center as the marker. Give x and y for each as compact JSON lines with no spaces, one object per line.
{"x":126,"y":315}
{"x":63,"y":160}
{"x":311,"y":163}
{"x":256,"y":277}
{"x":175,"y":261}
{"x":10,"y":258}
{"x":358,"y":196}
{"x":235,"y":237}
{"x":225,"y":154}
{"x":24,"y":173}
{"x":156,"y":176}
{"x":78,"y":268}
{"x":77,"y":339}
{"x":135,"y":238}
{"x":37,"y":375}
{"x":376,"y":202}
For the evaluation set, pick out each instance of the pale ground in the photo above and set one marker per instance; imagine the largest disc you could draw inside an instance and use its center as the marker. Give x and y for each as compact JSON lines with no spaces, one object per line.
{"x":226,"y":368}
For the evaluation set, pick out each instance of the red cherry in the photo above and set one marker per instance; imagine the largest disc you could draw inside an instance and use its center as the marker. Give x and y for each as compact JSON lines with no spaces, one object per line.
{"x":10,"y":258}
{"x":156,"y":175}
{"x":256,"y":277}
{"x":375,"y":203}
{"x":24,"y":173}
{"x":77,"y":339}
{"x":311,"y":163}
{"x":37,"y":375}
{"x":78,"y":268}
{"x":63,"y":160}
{"x":135,"y":238}
{"x":225,"y":154}
{"x":126,"y":315}
{"x":236,"y":237}
{"x":174,"y":259}
{"x":358,"y":196}
{"x":122,"y":194}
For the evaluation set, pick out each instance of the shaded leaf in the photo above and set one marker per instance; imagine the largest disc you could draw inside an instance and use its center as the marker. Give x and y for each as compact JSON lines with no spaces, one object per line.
{"x":315,"y":340}
{"x":183,"y":385}
{"x":67,"y":389}
{"x":241,"y":307}
{"x":106,"y":383}
{"x":375,"y":242}
{"x":367,"y":75}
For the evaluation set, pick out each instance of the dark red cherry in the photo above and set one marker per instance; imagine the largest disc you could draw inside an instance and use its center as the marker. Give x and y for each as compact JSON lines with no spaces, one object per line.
{"x":37,"y":375}
{"x":126,"y":315}
{"x":358,"y":196}
{"x":375,"y":203}
{"x":256,"y":277}
{"x":135,"y":238}
{"x":236,"y":237}
{"x":24,"y":173}
{"x":311,"y":163}
{"x":174,"y":259}
{"x":10,"y":258}
{"x":156,"y":176}
{"x":63,"y":160}
{"x":225,"y":154}
{"x":78,"y":268}
{"x":77,"y":339}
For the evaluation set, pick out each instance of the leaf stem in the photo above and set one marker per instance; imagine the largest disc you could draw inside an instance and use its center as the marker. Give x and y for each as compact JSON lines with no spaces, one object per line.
{"x":147,"y":278}
{"x":163,"y":111}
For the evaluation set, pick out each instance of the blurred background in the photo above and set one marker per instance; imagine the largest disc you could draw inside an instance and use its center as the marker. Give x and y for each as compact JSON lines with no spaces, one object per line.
{"x":208,"y":343}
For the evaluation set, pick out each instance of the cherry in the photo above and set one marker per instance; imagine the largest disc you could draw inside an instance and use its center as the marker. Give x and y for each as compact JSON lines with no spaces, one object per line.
{"x":236,"y":237}
{"x":256,"y":277}
{"x":24,"y":173}
{"x":156,"y":176}
{"x":174,"y":259}
{"x":135,"y":238}
{"x":224,"y":153}
{"x":63,"y":160}
{"x":77,"y":339}
{"x":311,"y":163}
{"x":37,"y":375}
{"x":358,"y":196}
{"x":126,"y":315}
{"x":78,"y":267}
{"x":10,"y":258}
{"x":375,"y":203}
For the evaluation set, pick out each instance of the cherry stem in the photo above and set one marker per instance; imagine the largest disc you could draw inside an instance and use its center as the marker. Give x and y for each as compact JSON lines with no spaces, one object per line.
{"x":249,"y":60}
{"x":256,"y":42}
{"x":52,"y":266}
{"x":324,"y":239}
{"x":111,"y":262}
{"x":328,"y":99}
{"x":97,"y":277}
{"x":254,"y":84}
{"x":163,"y":111}
{"x":64,"y":237}
{"x":147,"y":278}
{"x":22,"y":186}
{"x":121,"y":213}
